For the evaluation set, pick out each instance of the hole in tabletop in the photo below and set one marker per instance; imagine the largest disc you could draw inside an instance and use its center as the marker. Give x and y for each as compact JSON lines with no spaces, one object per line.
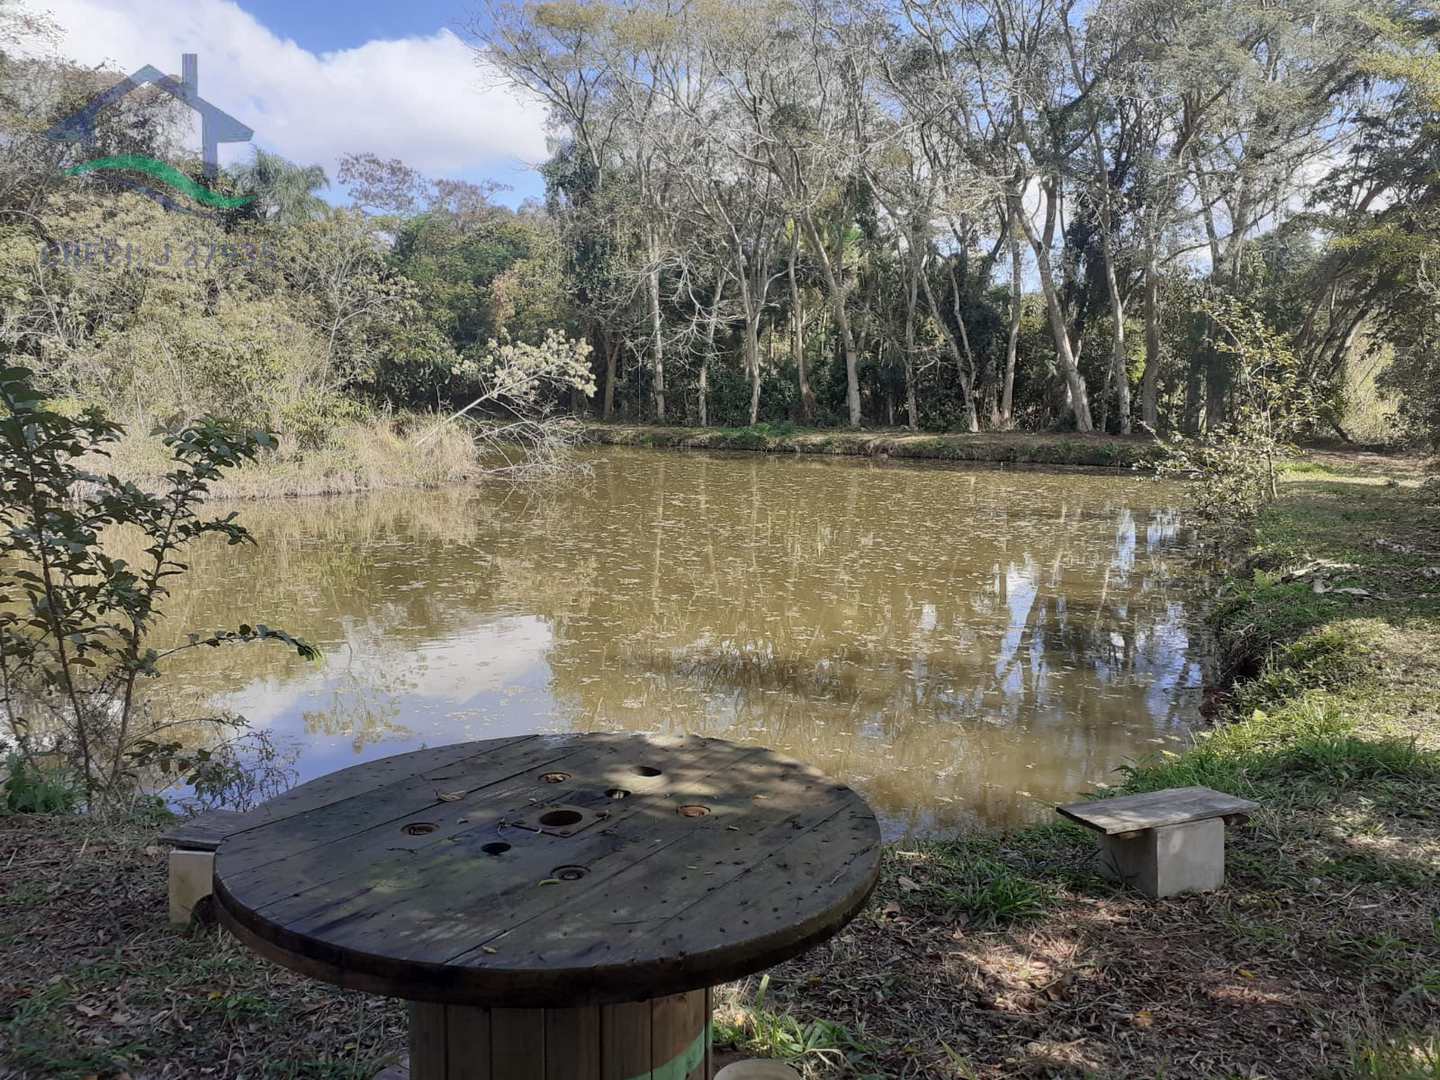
{"x":419,"y":828}
{"x":497,"y":848}
{"x":555,"y":777}
{"x":617,"y":793}
{"x":557,"y":819}
{"x":646,"y":770}
{"x":569,"y":873}
{"x":693,"y":810}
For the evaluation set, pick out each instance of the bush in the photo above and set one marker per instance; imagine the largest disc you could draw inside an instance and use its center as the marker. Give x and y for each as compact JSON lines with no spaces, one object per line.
{"x":75,"y":622}
{"x":32,"y":789}
{"x":1233,"y":470}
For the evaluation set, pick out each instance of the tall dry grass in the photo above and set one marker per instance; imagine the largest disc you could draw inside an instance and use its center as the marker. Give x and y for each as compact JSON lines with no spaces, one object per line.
{"x":360,"y":455}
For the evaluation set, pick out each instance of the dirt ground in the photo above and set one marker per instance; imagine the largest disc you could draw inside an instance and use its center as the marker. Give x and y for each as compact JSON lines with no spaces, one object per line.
{"x":1269,"y":977}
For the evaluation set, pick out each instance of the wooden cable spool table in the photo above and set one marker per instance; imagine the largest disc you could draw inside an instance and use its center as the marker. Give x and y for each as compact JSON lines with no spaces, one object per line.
{"x":553,"y":907}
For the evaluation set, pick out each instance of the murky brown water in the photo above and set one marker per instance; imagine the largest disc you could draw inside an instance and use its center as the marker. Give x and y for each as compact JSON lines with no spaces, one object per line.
{"x":960,"y":645}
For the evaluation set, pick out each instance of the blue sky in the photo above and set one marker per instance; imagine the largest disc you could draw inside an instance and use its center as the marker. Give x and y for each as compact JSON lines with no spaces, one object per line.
{"x":326,"y":27}
{"x":318,"y":80}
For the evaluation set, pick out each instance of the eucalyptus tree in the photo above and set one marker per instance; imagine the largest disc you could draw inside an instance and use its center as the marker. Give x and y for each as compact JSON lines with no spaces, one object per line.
{"x":1380,"y":204}
{"x":1173,"y":88}
{"x":1001,"y":85}
{"x":711,"y":323}
{"x":797,"y":323}
{"x":721,"y":217}
{"x":873,"y":152}
{"x":801,"y":96}
{"x":1101,"y":54}
{"x":734,"y":198}
{"x":959,"y":181}
{"x":910,"y":182}
{"x":1287,"y":78}
{"x":598,"y":67}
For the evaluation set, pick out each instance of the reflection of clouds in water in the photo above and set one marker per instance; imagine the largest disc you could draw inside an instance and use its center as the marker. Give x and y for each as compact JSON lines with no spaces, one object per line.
{"x":353,"y":685}
{"x":971,"y":644}
{"x":509,"y":651}
{"x":1166,"y":661}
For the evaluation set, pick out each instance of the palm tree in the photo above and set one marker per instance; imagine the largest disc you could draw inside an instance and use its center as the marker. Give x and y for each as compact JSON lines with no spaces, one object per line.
{"x":285,"y":193}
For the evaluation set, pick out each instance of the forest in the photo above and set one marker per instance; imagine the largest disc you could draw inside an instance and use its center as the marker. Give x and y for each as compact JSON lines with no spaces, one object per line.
{"x":994,"y":215}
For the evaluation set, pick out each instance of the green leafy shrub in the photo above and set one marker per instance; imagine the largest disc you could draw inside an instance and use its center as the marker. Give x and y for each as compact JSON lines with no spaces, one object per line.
{"x":75,"y":622}
{"x":31,"y":789}
{"x":1234,"y":468}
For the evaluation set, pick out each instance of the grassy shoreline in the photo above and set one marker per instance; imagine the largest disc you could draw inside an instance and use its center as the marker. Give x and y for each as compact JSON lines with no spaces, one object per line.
{"x":378,"y":454}
{"x":998,"y":956}
{"x":980,"y":956}
{"x":386,"y":453}
{"x":1045,"y":450}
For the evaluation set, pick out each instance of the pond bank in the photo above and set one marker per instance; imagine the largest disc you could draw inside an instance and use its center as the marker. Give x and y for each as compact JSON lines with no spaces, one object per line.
{"x":994,"y":955}
{"x":381,"y":454}
{"x":1001,"y":956}
{"x":1067,"y":450}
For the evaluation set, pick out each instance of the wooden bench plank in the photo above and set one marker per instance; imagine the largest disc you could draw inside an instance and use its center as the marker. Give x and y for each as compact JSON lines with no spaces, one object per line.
{"x":203,"y":832}
{"x":1156,"y":809}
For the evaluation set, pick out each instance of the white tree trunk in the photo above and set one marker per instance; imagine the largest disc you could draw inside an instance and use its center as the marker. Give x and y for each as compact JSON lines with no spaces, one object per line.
{"x":1012,"y":341}
{"x":1064,"y":354}
{"x":657,"y":326}
{"x":842,"y":319}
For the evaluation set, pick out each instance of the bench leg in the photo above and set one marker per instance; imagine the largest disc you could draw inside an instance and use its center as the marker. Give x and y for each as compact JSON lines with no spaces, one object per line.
{"x":192,"y":875}
{"x":1169,"y":860}
{"x":600,"y":1042}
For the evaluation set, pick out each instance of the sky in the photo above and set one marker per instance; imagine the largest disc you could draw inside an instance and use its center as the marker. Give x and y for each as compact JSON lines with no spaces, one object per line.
{"x":317,"y":80}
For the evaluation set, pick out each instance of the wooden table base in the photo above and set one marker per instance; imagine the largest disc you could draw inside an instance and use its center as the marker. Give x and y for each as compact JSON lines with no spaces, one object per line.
{"x":665,"y":1038}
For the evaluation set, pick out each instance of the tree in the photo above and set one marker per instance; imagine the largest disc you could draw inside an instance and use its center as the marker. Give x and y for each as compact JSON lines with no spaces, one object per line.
{"x":1234,"y":468}
{"x":382,"y":186}
{"x":887,"y":161}
{"x":599,"y":68}
{"x":284,"y":193}
{"x":351,"y":292}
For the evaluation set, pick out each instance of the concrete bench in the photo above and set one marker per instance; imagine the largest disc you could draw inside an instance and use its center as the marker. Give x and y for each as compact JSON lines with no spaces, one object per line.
{"x":1163,"y":842}
{"x":192,"y":858}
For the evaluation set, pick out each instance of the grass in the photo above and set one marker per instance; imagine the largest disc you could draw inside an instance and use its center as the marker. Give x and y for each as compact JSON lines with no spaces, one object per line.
{"x":969,"y":879}
{"x":1000,"y":448}
{"x":1404,"y":1058}
{"x":370,"y":455}
{"x":756,"y":1031}
{"x":980,"y":956}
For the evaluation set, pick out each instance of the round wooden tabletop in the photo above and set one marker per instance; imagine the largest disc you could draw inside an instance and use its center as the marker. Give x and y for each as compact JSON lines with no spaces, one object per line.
{"x":550,"y":870}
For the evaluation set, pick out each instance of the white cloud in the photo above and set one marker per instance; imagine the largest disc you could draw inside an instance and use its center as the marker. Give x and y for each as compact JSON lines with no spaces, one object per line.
{"x":421,"y":99}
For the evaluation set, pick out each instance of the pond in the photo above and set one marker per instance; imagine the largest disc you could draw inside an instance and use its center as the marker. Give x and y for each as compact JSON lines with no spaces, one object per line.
{"x":964,"y":646}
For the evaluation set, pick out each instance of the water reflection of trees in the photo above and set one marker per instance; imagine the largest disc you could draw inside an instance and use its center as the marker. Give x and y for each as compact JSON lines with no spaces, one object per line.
{"x":945,"y":635}
{"x":1012,"y":637}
